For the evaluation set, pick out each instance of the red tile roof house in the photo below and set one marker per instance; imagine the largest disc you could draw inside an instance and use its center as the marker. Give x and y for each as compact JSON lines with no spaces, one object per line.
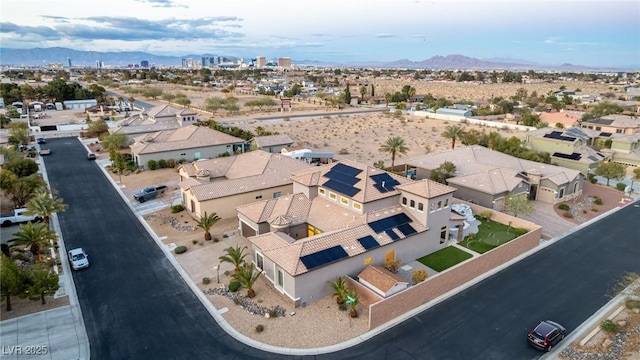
{"x":342,"y":218}
{"x":186,"y":143}
{"x":485,"y":177}
{"x":220,"y":184}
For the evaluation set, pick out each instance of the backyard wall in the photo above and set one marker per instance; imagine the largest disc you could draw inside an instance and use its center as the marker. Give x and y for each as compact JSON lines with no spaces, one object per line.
{"x":367,"y":296}
{"x":439,"y":284}
{"x":474,"y":121}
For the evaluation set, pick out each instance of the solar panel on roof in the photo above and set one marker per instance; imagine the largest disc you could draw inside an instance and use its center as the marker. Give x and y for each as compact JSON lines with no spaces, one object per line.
{"x":384,"y":182}
{"x":368,"y":242}
{"x":324,"y":257}
{"x":389,"y":222}
{"x":601,"y":121}
{"x":392,"y":234}
{"x":340,"y":167}
{"x":558,"y":135}
{"x":341,"y":187}
{"x":605,"y":134}
{"x":572,"y":156}
{"x":406,"y":229}
{"x":593,"y":158}
{"x":342,"y":177}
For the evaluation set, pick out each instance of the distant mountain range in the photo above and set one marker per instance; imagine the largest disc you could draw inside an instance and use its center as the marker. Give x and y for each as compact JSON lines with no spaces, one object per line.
{"x":59,"y":55}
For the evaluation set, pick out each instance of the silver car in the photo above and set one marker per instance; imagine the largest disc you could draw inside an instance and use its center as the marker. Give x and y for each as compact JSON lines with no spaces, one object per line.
{"x":78,"y":259}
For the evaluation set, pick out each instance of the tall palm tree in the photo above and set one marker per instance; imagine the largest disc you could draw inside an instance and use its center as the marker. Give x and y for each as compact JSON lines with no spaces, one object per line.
{"x":247,"y":277}
{"x":339,"y":286}
{"x":411,"y":93}
{"x":35,"y":236}
{"x":235,"y":256}
{"x":120,"y":101}
{"x":206,"y":223}
{"x":44,"y":204}
{"x":453,"y":132}
{"x":394,"y":145}
{"x":387,"y":98}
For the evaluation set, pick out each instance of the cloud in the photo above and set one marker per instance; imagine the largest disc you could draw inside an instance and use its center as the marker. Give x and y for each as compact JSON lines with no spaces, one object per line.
{"x":551,"y":40}
{"x":130,"y":29}
{"x":321,"y":35}
{"x":161,"y":3}
{"x":570,"y":49}
{"x":420,"y":36}
{"x":384,"y":35}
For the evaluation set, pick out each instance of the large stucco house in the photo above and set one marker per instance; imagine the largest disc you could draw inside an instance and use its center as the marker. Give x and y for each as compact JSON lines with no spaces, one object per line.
{"x":340,"y":219}
{"x":185,"y":143}
{"x":220,"y":184}
{"x":159,"y":118}
{"x":614,"y":124}
{"x":485,"y":177}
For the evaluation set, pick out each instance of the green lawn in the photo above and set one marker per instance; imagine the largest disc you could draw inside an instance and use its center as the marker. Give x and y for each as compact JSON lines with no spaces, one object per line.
{"x":443,"y":259}
{"x":490,"y":235}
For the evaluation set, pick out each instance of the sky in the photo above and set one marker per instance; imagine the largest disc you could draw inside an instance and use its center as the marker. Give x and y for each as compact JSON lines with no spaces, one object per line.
{"x":585,"y":32}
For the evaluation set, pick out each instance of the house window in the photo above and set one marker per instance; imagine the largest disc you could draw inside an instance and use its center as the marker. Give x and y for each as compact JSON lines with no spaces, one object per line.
{"x":404,"y":201}
{"x":446,"y":203}
{"x":433,"y":207}
{"x":332,"y":196}
{"x":357,"y":206}
{"x":618,"y":131}
{"x":279,"y":279}
{"x":439,"y":205}
{"x":260,"y":261}
{"x":420,"y":207}
{"x":277,"y":194}
{"x":258,"y":197}
{"x":561,"y":193}
{"x":344,"y":200}
{"x":368,"y":260}
{"x":412,"y":204}
{"x":443,"y":234}
{"x":322,"y":192}
{"x":197,"y":155}
{"x":598,"y":128}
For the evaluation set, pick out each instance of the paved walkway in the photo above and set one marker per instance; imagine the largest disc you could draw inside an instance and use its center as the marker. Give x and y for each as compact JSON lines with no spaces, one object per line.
{"x":552,"y":224}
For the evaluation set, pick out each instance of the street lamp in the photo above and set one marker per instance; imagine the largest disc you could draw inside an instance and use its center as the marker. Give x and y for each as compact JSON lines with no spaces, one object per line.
{"x":217,"y":269}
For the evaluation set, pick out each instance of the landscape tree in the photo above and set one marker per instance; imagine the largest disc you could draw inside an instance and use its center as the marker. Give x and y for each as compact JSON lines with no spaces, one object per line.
{"x":611,"y":170}
{"x":131,"y":102}
{"x":635,"y":177}
{"x":394,"y":145}
{"x":387,"y":98}
{"x":97,"y":128}
{"x":517,"y":204}
{"x":168,"y":97}
{"x":235,"y":256}
{"x":13,"y":280}
{"x":363,"y":91}
{"x":213,"y":104}
{"x":21,"y":166}
{"x":410,"y":94}
{"x":247,"y":277}
{"x":35,"y":236}
{"x":184,"y":101}
{"x":44,"y":204}
{"x":444,"y":171}
{"x":373,"y":90}
{"x":114,"y":141}
{"x":339,"y":286}
{"x":206,"y":223}
{"x":18,"y":133}
{"x":347,"y":95}
{"x":42,"y":281}
{"x":602,"y":109}
{"x":21,"y":189}
{"x":152,"y":92}
{"x":453,"y":132}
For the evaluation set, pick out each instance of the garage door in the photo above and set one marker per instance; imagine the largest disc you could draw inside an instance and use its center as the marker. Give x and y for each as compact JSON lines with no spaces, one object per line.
{"x":247,"y":230}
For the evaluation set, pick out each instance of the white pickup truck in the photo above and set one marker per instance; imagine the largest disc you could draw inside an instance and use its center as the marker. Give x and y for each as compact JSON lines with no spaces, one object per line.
{"x":18,"y":216}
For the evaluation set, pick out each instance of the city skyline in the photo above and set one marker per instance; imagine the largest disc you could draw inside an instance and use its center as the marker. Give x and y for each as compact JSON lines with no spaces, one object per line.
{"x":588,"y":32}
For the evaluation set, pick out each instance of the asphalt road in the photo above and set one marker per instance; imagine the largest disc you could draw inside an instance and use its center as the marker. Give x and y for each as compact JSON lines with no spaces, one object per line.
{"x":136,"y":306}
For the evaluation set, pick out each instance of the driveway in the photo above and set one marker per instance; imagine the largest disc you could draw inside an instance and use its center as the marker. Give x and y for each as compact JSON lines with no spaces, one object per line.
{"x":552,"y":224}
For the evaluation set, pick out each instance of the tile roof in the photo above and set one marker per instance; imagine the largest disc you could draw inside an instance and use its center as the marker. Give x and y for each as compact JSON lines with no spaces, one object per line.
{"x":426,"y":188}
{"x":246,"y":172}
{"x":273,"y":140}
{"x":564,"y":118}
{"x":188,"y":137}
{"x":619,"y":121}
{"x":158,"y":118}
{"x":367,"y":191}
{"x":167,"y":111}
{"x":380,"y":277}
{"x":495,"y":181}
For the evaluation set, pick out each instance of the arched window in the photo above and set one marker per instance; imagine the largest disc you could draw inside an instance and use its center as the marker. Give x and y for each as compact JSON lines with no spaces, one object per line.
{"x":439,"y":205}
{"x":412,"y":204}
{"x":404,"y":201}
{"x":420,"y":207}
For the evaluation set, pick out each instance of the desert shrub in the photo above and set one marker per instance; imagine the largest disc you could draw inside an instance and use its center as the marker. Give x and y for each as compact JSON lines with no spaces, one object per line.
{"x":236,"y":301}
{"x":177,"y":208}
{"x":194,"y":241}
{"x":343,"y":151}
{"x":564,"y":207}
{"x":225,"y":236}
{"x":597,"y":200}
{"x":342,"y":307}
{"x":609,"y":326}
{"x":393,"y":266}
{"x":259,"y":328}
{"x":594,"y":209}
{"x":620,"y":186}
{"x":181,"y":250}
{"x":162,"y":163}
{"x":567,"y":214}
{"x":215,"y":239}
{"x":273,"y":313}
{"x":206,"y":280}
{"x":632,"y":304}
{"x":171,"y":163}
{"x":234,"y":286}
{"x":152,"y":164}
{"x":182,"y":161}
{"x":487,"y":214}
{"x":419,"y":276}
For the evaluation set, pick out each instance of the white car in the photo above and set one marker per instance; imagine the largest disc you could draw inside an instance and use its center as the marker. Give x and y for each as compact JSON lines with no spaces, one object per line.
{"x":78,"y":259}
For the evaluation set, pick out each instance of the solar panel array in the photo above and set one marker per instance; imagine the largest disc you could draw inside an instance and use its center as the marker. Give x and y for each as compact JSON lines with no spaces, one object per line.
{"x":572,"y":156}
{"x":593,"y":158}
{"x":605,"y":134}
{"x":368,"y":242}
{"x":406,"y":229}
{"x":558,"y":135}
{"x":600,"y":121}
{"x":384,"y":182}
{"x":324,"y":257}
{"x":392,"y":234}
{"x":342,"y":178}
{"x":387,"y":225}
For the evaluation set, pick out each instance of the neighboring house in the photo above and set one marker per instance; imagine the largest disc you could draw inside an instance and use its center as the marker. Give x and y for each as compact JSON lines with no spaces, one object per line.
{"x":188,"y":143}
{"x":485,"y":177}
{"x":158,"y":118}
{"x":342,"y":218}
{"x":382,"y":281}
{"x":454,"y":112}
{"x":566,"y":118}
{"x":271,"y":143}
{"x":626,"y":149}
{"x":79,"y":104}
{"x":219,"y":185}
{"x":614,"y":124}
{"x":571,"y":148}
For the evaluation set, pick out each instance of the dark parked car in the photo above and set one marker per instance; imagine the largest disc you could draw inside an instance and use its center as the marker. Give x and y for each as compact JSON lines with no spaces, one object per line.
{"x":546,"y":335}
{"x":41,"y":140}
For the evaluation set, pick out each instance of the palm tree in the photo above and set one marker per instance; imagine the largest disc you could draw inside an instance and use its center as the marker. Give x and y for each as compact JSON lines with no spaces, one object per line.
{"x":339,"y":286}
{"x":247,"y":277}
{"x":387,"y":98}
{"x":206,"y":222}
{"x":635,"y":177}
{"x":235,"y":256}
{"x":35,"y":236}
{"x":120,"y":100}
{"x":131,"y":100}
{"x":363,"y":91}
{"x":43,"y":204}
{"x":453,"y":132}
{"x":394,"y":145}
{"x":354,"y":298}
{"x":411,"y":93}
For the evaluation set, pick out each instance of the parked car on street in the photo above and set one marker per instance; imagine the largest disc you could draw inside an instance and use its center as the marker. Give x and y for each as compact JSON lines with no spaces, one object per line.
{"x":44,"y":152}
{"x":78,"y":259}
{"x":41,"y":140}
{"x":546,"y":335}
{"x":91,"y":156}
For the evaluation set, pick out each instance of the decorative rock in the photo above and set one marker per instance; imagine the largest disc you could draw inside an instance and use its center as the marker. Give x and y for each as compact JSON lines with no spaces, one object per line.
{"x":622,"y":323}
{"x":607,"y":344}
